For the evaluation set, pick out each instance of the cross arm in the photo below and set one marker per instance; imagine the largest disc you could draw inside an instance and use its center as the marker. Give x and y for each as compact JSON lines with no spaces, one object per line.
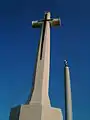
{"x":53,"y":22}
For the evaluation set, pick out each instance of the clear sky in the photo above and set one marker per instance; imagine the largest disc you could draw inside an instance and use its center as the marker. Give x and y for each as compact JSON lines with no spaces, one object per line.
{"x":18,"y":46}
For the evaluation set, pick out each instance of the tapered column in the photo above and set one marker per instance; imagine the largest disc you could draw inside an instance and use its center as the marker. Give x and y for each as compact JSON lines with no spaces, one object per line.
{"x":39,"y":93}
{"x":41,"y":84}
{"x":68,"y":99}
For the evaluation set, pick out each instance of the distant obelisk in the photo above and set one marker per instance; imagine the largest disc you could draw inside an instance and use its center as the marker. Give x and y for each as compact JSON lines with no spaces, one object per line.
{"x":68,"y":99}
{"x":38,"y":105}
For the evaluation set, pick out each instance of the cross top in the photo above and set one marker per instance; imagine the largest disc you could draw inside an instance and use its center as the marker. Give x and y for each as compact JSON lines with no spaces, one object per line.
{"x":53,"y":22}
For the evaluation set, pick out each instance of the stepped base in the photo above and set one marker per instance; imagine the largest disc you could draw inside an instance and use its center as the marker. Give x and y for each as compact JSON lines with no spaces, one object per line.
{"x":35,"y":112}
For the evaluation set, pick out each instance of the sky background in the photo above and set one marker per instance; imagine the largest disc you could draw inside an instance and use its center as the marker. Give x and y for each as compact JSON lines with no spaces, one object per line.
{"x":18,"y":47}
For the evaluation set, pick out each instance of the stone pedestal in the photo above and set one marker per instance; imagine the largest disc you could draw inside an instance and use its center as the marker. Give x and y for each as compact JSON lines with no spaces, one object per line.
{"x":35,"y":112}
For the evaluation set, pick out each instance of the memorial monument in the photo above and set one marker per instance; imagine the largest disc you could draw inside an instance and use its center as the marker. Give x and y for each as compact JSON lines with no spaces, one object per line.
{"x":38,"y":106}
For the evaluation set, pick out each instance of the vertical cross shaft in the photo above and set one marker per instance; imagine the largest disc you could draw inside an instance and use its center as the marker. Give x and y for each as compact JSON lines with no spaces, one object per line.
{"x":41,"y":75}
{"x":43,"y":34}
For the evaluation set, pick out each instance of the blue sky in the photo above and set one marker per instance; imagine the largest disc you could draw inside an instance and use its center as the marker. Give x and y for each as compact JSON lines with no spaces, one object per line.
{"x":18,"y":46}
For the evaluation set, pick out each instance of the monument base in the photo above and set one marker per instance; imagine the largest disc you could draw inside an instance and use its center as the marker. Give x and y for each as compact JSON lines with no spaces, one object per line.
{"x":35,"y":112}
